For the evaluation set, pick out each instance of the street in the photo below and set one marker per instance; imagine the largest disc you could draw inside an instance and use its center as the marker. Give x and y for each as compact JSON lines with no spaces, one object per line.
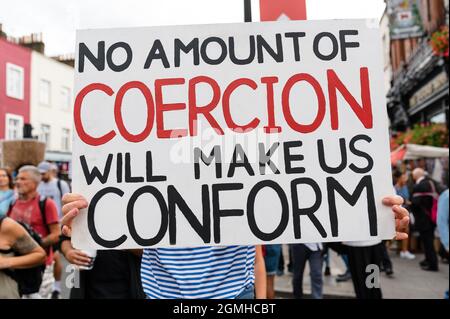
{"x":408,"y":282}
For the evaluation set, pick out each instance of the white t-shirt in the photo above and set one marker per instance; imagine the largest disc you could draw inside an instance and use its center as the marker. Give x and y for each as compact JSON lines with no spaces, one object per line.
{"x":366,"y":243}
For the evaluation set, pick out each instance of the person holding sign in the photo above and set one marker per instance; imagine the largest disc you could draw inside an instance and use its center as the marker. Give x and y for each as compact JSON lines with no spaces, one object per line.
{"x":204,"y":272}
{"x":176,"y":147}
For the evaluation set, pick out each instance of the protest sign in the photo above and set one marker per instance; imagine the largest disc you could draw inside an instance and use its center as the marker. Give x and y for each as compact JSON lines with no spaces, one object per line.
{"x":231,"y":134}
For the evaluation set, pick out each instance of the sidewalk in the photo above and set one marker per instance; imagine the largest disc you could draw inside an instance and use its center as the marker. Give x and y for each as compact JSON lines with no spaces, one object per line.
{"x":408,"y":282}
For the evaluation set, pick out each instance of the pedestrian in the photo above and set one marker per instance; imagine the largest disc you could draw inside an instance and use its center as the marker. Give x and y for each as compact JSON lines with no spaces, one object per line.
{"x":443,"y":222}
{"x":271,"y":260}
{"x":40,"y":213}
{"x":421,"y":206}
{"x":260,"y":275}
{"x":6,"y":191}
{"x":346,"y":276}
{"x":18,"y":250}
{"x":401,"y":189}
{"x":54,"y":188}
{"x":301,"y":253}
{"x":386,"y":262}
{"x":202,"y":272}
{"x":326,"y":260}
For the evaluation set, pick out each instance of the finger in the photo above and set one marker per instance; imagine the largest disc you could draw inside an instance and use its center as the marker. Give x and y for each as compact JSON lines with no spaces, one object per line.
{"x":82,"y":254}
{"x":404,"y":222}
{"x":78,"y":262}
{"x":83,"y":258}
{"x":401,"y":226}
{"x":400,"y":212}
{"x":71,"y":197}
{"x":393,"y":200}
{"x":80,"y":204}
{"x":400,"y":236}
{"x":69,"y":217}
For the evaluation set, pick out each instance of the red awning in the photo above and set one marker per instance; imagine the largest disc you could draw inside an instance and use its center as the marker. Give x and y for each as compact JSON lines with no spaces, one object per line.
{"x":398,"y":155}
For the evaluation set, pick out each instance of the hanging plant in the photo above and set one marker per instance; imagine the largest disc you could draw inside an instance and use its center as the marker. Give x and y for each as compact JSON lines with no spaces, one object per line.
{"x":422,"y":134}
{"x":439,"y":42}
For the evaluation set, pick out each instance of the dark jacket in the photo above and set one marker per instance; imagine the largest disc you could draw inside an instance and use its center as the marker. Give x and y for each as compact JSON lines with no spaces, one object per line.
{"x":115,"y":275}
{"x":421,"y":206}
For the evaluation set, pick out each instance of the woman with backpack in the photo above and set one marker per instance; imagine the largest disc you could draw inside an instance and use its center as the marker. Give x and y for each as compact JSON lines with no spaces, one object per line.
{"x":18,"y":251}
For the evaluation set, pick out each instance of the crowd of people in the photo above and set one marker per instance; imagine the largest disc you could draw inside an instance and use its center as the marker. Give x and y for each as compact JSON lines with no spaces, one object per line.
{"x":36,"y":214}
{"x":31,"y":206}
{"x":427,"y":202}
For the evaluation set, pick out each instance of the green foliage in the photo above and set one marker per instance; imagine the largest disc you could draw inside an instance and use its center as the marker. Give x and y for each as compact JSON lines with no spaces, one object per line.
{"x":422,"y":134}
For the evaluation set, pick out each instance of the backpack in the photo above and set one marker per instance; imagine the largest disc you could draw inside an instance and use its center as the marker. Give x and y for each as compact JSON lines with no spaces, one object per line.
{"x":28,"y":280}
{"x":434,"y":194}
{"x":59,"y":185}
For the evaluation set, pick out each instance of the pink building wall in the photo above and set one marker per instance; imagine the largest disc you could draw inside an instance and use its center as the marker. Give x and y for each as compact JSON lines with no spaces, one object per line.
{"x":20,"y":56}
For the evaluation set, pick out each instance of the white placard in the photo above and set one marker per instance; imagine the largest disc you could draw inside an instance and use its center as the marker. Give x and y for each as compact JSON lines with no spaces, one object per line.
{"x":294,"y":112}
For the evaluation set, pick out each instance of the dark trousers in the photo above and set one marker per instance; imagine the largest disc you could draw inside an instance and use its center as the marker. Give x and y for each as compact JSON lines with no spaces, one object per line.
{"x":300,"y":254}
{"x":427,"y":238}
{"x":281,"y":263}
{"x":359,"y":258}
{"x":386,"y":260}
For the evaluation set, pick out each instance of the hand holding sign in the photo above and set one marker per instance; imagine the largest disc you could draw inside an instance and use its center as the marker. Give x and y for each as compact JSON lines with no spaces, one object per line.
{"x":72,"y":203}
{"x":401,"y":216}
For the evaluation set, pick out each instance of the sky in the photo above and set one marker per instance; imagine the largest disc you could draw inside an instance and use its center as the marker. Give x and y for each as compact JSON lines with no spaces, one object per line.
{"x":58,"y":20}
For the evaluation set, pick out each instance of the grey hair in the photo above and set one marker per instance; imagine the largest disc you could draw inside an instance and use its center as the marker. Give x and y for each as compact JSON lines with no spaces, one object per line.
{"x":418,"y":173}
{"x":34,"y":172}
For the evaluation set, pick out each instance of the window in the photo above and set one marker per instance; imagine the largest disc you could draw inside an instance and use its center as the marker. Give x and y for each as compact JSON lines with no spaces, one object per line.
{"x":14,"y":81}
{"x":44,"y":92}
{"x":65,"y":139}
{"x":45,"y":134}
{"x":14,"y":127}
{"x":65,"y":98}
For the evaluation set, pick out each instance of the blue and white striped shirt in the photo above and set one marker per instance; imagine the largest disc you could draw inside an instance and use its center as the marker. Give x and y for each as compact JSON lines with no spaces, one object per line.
{"x":197,"y":273}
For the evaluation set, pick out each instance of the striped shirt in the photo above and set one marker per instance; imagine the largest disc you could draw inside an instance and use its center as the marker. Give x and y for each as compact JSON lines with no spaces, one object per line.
{"x":197,"y":273}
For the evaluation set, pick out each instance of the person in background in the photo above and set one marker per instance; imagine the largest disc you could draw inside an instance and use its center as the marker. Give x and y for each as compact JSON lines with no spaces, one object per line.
{"x":421,"y":206}
{"x":18,"y":250}
{"x":346,"y":276}
{"x":260,"y":274}
{"x":443,"y":222}
{"x":301,"y":253}
{"x":401,"y":188}
{"x":50,"y":186}
{"x":271,"y":260}
{"x":53,"y":188}
{"x":386,"y":262}
{"x":326,"y":260}
{"x":41,"y":215}
{"x":6,"y":191}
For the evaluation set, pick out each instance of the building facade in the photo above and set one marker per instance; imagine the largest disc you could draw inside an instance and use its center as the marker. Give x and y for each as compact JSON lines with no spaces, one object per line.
{"x":420,"y":80}
{"x":36,"y":92}
{"x":51,"y":106}
{"x":15,"y":70}
{"x":386,"y":41}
